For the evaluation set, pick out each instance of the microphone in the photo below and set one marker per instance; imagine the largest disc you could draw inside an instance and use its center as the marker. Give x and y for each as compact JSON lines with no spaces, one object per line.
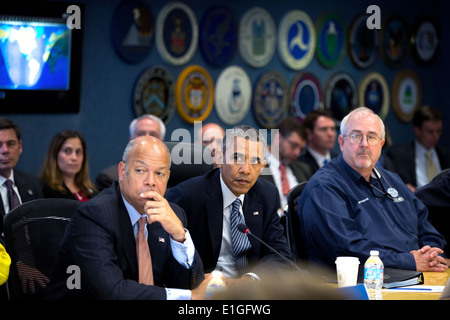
{"x":244,"y":229}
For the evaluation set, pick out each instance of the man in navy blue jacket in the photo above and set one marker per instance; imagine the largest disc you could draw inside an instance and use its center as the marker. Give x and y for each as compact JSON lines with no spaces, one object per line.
{"x":351,"y":207}
{"x":208,"y":199}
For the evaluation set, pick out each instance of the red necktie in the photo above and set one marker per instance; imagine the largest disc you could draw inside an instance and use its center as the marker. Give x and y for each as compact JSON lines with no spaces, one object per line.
{"x":284,"y":180}
{"x":143,"y":254}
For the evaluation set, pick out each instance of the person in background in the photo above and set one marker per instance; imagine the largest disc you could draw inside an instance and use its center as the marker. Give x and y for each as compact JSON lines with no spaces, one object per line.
{"x":418,"y":161}
{"x":5,"y":262}
{"x":211,"y":135}
{"x":224,"y":197}
{"x":16,"y":187}
{"x":436,"y":197}
{"x":350,"y":206}
{"x":321,"y":131}
{"x":145,"y":125}
{"x":24,"y":186}
{"x":65,"y":171}
{"x":284,"y":169}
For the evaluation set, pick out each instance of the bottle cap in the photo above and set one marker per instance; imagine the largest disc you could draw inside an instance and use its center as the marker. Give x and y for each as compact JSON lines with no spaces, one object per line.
{"x":216,"y":274}
{"x":374,"y":252}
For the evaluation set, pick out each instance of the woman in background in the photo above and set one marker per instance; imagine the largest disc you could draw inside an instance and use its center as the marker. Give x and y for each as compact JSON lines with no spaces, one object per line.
{"x":65,"y":172}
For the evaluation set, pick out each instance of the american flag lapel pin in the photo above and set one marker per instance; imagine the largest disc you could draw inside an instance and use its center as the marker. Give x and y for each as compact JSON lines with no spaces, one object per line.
{"x":161,"y":239}
{"x":255,"y":213}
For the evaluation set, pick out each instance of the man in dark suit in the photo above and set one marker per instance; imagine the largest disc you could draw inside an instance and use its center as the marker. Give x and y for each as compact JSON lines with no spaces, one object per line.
{"x":409,"y":160}
{"x":26,"y":186}
{"x":233,"y":191}
{"x":100,"y":239}
{"x":321,"y":131}
{"x":283,"y":169}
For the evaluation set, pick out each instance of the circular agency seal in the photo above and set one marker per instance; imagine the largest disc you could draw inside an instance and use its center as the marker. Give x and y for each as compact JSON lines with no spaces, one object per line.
{"x":177,"y":33}
{"x":270,"y":96}
{"x":331,"y":40}
{"x":305,"y":95}
{"x":340,"y":95}
{"x":406,"y":94}
{"x":154,"y":94}
{"x":425,"y":41}
{"x":394,"y":40}
{"x":218,"y":35}
{"x":233,"y":95}
{"x":257,"y":37}
{"x":297,"y":39}
{"x":374,"y":94}
{"x":194,"y":94}
{"x":132,"y":30}
{"x":363,"y":43}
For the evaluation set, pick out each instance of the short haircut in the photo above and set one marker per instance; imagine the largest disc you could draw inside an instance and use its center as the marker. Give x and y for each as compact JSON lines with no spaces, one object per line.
{"x":311,"y":118}
{"x":426,"y":113}
{"x":246,"y":132}
{"x":361,"y":111}
{"x":291,"y":125}
{"x":162,"y":126}
{"x":8,"y":124}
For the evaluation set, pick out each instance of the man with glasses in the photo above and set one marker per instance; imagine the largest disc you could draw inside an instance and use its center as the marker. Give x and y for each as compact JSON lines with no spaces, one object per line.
{"x":350,"y":206}
{"x":284,"y":170}
{"x":321,"y":131}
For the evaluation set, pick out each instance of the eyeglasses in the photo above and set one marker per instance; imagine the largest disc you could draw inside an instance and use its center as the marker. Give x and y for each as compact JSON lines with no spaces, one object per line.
{"x":356,"y":138}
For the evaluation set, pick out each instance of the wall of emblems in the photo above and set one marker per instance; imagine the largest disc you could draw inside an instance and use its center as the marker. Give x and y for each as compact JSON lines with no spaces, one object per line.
{"x":241,"y":62}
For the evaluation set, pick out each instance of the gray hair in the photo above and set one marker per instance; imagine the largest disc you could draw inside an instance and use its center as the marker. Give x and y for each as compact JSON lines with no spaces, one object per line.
{"x":361,"y":111}
{"x":246,"y":132}
{"x":162,"y":126}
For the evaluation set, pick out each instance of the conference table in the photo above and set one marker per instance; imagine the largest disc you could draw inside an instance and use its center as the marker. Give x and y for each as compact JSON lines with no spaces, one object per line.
{"x":429,"y":279}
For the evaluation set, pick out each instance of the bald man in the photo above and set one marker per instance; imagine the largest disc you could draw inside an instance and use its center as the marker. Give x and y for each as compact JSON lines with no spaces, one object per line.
{"x":101,"y":238}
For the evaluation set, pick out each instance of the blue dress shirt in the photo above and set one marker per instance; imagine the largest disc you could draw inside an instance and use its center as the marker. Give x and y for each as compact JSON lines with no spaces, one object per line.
{"x":341,"y":214}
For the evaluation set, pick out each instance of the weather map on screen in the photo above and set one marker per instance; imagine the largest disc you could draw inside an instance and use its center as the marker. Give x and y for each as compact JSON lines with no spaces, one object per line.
{"x":34,"y":55}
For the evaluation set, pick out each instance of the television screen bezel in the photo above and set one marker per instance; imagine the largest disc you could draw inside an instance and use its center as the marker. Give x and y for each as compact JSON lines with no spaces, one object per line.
{"x":46,"y":101}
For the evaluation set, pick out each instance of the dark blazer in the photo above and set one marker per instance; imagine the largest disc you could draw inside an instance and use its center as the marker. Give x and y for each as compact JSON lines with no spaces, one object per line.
{"x":100,"y":240}
{"x":301,"y":171}
{"x":30,"y":188}
{"x":307,"y":157}
{"x":201,"y":198}
{"x":436,"y":197}
{"x":403,"y":160}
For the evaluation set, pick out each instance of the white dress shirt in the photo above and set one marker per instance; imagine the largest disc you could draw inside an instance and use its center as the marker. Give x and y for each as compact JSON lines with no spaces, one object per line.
{"x":421,"y":164}
{"x":4,"y":191}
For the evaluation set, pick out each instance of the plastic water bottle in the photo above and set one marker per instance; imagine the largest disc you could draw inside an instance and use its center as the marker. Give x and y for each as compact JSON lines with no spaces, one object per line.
{"x":215,"y":285}
{"x":374,"y":275}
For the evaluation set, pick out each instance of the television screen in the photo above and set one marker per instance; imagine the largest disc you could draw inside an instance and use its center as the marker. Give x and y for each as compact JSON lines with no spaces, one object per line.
{"x":34,"y":54}
{"x":40,"y":58}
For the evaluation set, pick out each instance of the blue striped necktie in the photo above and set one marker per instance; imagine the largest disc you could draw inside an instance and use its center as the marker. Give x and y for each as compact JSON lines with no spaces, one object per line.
{"x":239,"y":240}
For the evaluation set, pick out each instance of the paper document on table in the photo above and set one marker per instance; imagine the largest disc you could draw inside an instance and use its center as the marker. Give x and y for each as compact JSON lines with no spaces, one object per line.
{"x":417,"y":288}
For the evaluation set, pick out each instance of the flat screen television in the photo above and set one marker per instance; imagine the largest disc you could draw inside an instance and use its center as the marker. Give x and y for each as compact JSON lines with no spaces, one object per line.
{"x":40,"y":59}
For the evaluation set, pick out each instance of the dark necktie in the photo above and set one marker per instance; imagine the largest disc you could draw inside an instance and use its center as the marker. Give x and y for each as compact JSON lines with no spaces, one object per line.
{"x":143,"y":254}
{"x":13,"y":199}
{"x":239,"y":240}
{"x":284,"y":180}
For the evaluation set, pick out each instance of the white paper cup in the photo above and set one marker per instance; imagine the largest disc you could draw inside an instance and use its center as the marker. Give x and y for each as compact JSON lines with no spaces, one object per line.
{"x":347,"y":271}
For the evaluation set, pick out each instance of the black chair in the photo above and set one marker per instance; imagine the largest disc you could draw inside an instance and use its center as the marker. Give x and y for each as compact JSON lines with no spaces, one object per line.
{"x":293,"y":224}
{"x":33,"y":233}
{"x":188,"y":160}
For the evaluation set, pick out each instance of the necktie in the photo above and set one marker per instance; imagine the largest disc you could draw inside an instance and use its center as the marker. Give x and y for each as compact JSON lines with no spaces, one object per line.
{"x":431,"y":167}
{"x":284,"y":180}
{"x":143,"y":254}
{"x":239,"y":240}
{"x":13,"y":199}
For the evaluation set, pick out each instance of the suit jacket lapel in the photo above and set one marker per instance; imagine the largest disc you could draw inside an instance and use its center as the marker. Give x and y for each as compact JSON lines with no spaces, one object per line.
{"x":253,"y":213}
{"x":214,"y":211}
